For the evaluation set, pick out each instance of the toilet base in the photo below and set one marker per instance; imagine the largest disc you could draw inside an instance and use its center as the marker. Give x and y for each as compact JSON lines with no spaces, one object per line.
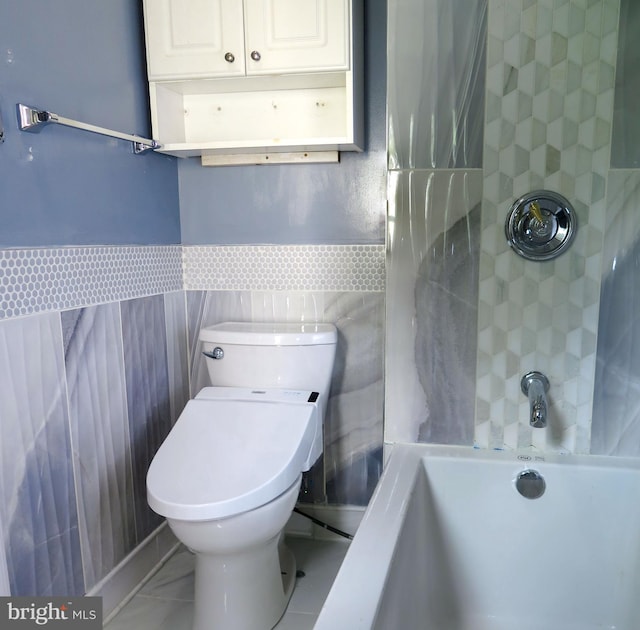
{"x":257,"y":588}
{"x":244,"y":574}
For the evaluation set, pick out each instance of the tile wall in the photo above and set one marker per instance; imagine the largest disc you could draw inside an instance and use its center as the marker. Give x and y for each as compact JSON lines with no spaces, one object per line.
{"x":466,"y":316}
{"x":95,"y":346}
{"x":81,"y":416}
{"x":550,"y":93}
{"x":314,"y":283}
{"x":436,"y":123}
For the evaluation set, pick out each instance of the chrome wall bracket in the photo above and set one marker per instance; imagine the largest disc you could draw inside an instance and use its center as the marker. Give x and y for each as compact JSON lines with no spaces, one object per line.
{"x":33,"y":120}
{"x":541,"y":225}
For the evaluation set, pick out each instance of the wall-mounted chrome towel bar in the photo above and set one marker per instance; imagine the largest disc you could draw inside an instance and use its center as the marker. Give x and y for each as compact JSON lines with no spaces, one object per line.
{"x":31,"y":119}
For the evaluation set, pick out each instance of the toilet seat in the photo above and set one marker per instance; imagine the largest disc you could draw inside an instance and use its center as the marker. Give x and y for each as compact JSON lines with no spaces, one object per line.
{"x":226,"y":456}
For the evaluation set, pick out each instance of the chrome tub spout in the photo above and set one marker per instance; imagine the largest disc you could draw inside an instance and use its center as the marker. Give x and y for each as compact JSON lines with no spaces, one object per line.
{"x":535,"y":386}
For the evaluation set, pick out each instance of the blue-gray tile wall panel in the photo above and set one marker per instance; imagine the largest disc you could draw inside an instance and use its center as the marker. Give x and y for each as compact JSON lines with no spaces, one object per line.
{"x":37,"y":497}
{"x":625,"y":146}
{"x":432,"y":305}
{"x":437,"y":56}
{"x":447,"y":332}
{"x":299,"y":204}
{"x":353,"y":431}
{"x":615,"y":426}
{"x":100,"y":433}
{"x":175,"y":313}
{"x":145,"y":355}
{"x":82,"y":60}
{"x":195,"y":310}
{"x":205,"y":309}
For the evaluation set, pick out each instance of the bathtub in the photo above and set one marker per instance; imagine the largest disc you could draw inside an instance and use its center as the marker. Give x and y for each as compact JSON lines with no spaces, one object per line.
{"x":448,"y":543}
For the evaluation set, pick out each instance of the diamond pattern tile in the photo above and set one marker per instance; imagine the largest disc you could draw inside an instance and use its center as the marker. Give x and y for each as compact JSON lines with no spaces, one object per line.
{"x":550,"y":80}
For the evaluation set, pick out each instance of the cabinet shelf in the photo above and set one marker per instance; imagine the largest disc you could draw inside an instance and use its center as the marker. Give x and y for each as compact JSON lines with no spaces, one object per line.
{"x":294,"y":108}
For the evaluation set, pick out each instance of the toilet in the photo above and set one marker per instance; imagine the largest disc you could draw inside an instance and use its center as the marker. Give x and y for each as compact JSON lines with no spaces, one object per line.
{"x":227,"y":476}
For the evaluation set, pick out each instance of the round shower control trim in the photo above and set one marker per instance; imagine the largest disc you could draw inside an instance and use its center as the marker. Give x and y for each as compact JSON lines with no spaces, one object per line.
{"x":541,"y":225}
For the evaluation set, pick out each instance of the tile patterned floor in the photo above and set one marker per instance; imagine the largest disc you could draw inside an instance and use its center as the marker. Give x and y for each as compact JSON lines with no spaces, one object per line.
{"x":165,"y":602}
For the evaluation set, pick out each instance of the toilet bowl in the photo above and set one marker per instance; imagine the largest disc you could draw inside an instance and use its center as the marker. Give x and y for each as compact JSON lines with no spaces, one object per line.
{"x":244,"y":573}
{"x":228,"y":474}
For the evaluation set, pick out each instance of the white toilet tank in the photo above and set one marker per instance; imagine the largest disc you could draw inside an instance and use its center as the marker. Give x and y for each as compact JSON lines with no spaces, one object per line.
{"x":267,"y":355}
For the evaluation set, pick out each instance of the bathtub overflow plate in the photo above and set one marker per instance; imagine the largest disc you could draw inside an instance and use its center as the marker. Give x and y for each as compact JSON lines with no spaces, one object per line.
{"x":530,"y":484}
{"x":541,"y":225}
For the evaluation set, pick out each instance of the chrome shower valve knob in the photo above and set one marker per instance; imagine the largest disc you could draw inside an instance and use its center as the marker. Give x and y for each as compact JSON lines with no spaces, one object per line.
{"x":541,"y":225}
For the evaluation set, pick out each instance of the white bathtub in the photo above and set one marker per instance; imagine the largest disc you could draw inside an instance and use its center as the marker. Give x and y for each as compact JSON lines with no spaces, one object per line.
{"x":448,"y":543}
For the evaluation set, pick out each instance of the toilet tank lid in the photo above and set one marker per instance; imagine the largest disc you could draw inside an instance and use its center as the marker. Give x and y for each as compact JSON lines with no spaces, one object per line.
{"x":270,"y":334}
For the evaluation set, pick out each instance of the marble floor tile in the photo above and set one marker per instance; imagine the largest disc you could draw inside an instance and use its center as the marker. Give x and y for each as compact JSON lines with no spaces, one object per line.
{"x":165,"y":602}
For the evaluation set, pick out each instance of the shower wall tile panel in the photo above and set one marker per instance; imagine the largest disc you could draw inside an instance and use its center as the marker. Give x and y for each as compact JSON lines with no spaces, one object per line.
{"x":550,"y":89}
{"x":616,"y":403}
{"x":353,"y":432}
{"x":100,"y":436}
{"x":625,"y":150}
{"x":37,"y":500}
{"x":147,"y":381}
{"x":351,"y":462}
{"x":436,"y":77}
{"x":432,"y":290}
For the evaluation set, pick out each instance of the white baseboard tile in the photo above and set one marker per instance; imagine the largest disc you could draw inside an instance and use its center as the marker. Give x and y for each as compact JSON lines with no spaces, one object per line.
{"x":124,"y":581}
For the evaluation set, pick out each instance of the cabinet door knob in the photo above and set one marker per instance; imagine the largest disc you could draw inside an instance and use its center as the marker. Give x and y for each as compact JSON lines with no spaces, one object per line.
{"x":255,"y":55}
{"x":229,"y":57}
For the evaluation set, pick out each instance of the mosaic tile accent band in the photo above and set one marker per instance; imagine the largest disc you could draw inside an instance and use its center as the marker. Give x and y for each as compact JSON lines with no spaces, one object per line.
{"x":39,"y":280}
{"x":285,"y":267}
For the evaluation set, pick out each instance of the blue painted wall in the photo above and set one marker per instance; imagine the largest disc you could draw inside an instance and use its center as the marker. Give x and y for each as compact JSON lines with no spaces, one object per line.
{"x":82,"y":59}
{"x":299,"y":204}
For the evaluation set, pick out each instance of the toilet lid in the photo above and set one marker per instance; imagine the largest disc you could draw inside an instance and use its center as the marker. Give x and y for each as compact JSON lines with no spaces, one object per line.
{"x":226,"y":457}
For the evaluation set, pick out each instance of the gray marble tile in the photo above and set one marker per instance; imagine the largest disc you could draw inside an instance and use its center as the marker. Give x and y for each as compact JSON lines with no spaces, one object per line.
{"x":166,"y":601}
{"x":37,"y":498}
{"x":615,"y":427}
{"x":625,"y":146}
{"x":351,"y":462}
{"x":204,"y":309}
{"x":435,"y":93}
{"x":149,"y":613}
{"x":175,"y":580}
{"x":177,"y":351}
{"x":353,"y":431}
{"x":320,"y":562}
{"x":100,"y":436}
{"x":147,"y":380}
{"x":5,"y":589}
{"x":432,"y":293}
{"x":446,"y":333}
{"x":195,"y":310}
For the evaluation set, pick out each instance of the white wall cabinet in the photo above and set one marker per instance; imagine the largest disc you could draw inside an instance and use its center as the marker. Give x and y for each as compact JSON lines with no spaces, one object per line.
{"x":270,"y":80}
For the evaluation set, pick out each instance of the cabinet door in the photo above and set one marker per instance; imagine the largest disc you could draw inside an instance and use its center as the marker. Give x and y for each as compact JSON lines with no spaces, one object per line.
{"x":194,"y":38}
{"x":296,"y":35}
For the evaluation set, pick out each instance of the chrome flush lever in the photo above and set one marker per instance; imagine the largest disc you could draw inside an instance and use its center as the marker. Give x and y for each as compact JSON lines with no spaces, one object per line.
{"x":216,"y":353}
